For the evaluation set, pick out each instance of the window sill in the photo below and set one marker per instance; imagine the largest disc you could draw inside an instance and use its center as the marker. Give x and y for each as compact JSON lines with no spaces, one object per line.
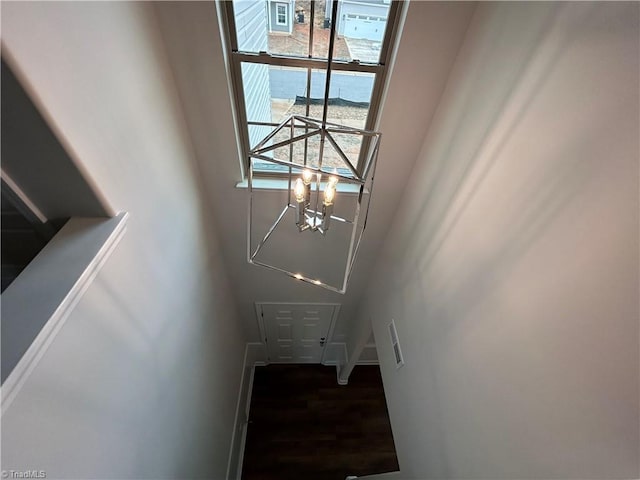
{"x":279,"y":184}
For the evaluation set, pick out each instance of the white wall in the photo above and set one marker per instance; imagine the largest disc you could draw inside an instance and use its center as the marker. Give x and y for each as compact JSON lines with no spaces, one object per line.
{"x":436,"y":30}
{"x":142,"y":381}
{"x":511,"y":269}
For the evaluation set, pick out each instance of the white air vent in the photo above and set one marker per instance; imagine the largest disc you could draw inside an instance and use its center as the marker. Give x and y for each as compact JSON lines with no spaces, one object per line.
{"x":396,"y":344}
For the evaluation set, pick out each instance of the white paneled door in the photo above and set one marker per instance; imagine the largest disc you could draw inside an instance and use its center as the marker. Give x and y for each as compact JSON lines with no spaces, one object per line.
{"x":296,"y":333}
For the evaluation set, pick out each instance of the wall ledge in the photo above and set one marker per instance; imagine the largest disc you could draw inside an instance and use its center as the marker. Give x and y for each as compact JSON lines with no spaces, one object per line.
{"x":36,"y":305}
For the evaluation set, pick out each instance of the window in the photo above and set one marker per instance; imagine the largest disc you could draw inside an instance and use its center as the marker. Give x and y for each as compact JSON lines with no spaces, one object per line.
{"x":275,"y":75}
{"x":281,"y":13}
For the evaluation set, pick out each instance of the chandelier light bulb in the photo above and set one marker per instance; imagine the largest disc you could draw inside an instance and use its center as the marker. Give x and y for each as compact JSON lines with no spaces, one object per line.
{"x":329,"y":193}
{"x":299,"y":190}
{"x":333,"y":179}
{"x":307,"y":176}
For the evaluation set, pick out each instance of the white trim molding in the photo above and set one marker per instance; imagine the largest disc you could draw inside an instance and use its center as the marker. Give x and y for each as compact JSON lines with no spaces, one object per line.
{"x":384,"y":476}
{"x":255,"y":354}
{"x":286,"y":14}
{"x":29,"y":328}
{"x":21,"y":201}
{"x":339,"y":358}
{"x":368,"y":355}
{"x":336,"y":354}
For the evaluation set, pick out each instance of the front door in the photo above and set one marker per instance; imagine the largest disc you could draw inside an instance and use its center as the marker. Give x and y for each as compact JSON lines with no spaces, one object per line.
{"x":296,"y":333}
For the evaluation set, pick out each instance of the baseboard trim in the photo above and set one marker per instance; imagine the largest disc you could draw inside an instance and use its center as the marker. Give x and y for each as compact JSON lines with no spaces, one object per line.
{"x":341,"y":381}
{"x":243,"y":444}
{"x":247,"y":402}
{"x":339,"y":359}
{"x":243,"y":438}
{"x":254,"y":355}
{"x":233,"y":449}
{"x":384,"y":476}
{"x":339,"y":366}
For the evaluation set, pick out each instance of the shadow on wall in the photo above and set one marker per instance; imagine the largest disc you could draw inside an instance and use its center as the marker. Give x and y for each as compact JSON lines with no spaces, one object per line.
{"x":467,"y":153}
{"x":142,"y":381}
{"x":458,"y":168}
{"x":515,"y":247}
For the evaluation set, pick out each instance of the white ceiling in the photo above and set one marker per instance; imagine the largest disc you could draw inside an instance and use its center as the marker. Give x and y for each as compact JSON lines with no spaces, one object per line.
{"x":430,"y":40}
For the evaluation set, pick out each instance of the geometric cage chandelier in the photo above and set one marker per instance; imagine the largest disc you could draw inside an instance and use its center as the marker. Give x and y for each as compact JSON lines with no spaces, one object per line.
{"x":323,"y":197}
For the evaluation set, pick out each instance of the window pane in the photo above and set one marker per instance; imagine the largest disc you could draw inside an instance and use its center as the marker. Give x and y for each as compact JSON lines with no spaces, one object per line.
{"x":321,"y":30}
{"x":276,"y":27}
{"x":281,"y":15}
{"x":251,"y":25}
{"x":360,"y":30}
{"x":283,"y":28}
{"x":271,"y":94}
{"x":257,"y":133}
{"x":271,"y":91}
{"x":350,"y":98}
{"x":257,"y":99}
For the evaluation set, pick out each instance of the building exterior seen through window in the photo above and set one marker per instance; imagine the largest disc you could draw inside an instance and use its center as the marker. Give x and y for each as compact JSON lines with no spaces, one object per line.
{"x":279,"y":56}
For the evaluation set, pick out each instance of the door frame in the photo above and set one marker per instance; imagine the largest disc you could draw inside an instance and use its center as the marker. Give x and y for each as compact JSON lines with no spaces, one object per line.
{"x":263,"y":330}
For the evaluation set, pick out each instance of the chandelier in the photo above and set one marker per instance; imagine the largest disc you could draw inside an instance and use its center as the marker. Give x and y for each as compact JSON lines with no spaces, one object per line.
{"x":325,"y":190}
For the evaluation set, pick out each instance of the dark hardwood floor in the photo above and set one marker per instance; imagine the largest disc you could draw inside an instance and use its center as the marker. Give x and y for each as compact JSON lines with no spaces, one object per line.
{"x":303,"y":425}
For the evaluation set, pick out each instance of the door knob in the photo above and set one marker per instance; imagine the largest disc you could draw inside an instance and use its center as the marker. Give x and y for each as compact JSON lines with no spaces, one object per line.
{"x":322,"y":342}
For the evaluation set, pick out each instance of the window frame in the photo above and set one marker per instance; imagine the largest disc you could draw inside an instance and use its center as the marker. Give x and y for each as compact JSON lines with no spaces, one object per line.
{"x":285,"y":23}
{"x":235,"y":59}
